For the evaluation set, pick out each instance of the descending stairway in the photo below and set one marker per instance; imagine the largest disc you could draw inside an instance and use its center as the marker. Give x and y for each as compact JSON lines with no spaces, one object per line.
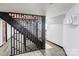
{"x":19,"y":23}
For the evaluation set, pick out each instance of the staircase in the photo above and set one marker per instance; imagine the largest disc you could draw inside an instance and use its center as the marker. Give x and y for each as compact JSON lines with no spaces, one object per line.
{"x":25,"y":29}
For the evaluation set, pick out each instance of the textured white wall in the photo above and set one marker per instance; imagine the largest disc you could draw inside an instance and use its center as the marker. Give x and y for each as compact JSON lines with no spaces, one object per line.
{"x":54,"y":33}
{"x":71,"y":34}
{"x":55,"y":29}
{"x":8,"y":31}
{"x":1,"y":32}
{"x":54,"y":22}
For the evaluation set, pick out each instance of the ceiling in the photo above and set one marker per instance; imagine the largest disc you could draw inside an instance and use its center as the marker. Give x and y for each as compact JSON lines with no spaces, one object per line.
{"x":58,"y":9}
{"x":48,"y":9}
{"x":29,"y":8}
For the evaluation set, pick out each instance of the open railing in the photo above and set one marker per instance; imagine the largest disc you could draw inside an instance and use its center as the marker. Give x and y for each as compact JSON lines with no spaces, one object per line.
{"x":28,"y":30}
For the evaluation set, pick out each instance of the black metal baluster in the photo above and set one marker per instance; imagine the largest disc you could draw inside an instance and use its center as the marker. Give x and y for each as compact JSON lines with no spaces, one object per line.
{"x":11,"y":40}
{"x":37,"y":29}
{"x":21,"y":43}
{"x":19,"y":36}
{"x":40,"y":31}
{"x":17,"y":42}
{"x":24,"y":44}
{"x":23,"y":48}
{"x":27,"y":32}
{"x":24,"y":37}
{"x":30,"y":32}
{"x":14,"y":40}
{"x":43,"y":32}
{"x":21,"y":33}
{"x":32,"y":29}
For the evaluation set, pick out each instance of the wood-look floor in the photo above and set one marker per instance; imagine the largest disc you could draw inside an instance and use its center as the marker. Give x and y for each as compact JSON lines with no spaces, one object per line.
{"x":51,"y":50}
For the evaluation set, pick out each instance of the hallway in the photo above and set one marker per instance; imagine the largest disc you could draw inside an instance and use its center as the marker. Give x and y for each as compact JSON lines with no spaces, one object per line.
{"x":39,"y":29}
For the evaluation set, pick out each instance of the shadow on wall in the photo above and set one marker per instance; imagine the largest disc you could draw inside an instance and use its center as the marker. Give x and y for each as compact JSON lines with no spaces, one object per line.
{"x":71,"y":34}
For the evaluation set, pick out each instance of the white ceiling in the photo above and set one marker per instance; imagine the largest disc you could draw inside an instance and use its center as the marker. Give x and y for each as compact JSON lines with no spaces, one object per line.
{"x":30,"y":8}
{"x":58,"y":9}
{"x":48,"y":9}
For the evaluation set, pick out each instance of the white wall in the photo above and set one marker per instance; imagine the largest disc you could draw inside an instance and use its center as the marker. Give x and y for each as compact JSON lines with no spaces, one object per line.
{"x":71,"y":34}
{"x":1,"y":32}
{"x":55,"y":29}
{"x":8,"y":31}
{"x":54,"y":22}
